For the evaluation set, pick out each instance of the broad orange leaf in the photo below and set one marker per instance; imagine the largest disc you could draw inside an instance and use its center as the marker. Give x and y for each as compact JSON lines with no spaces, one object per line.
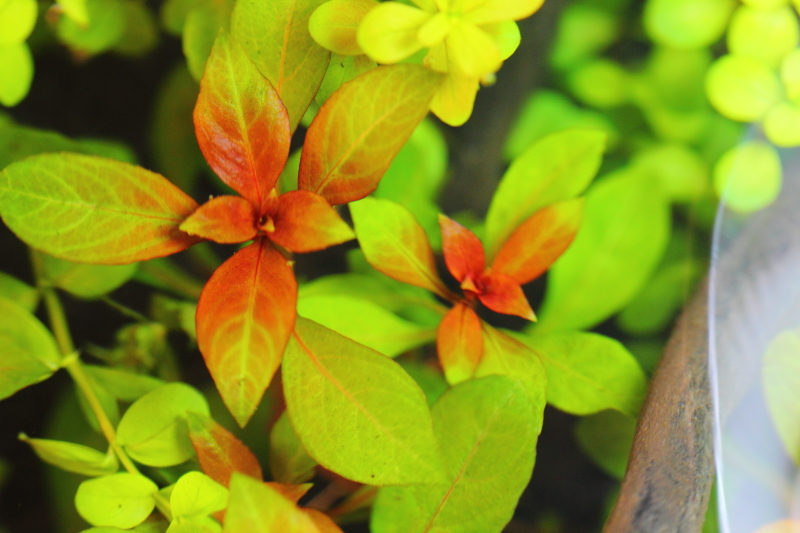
{"x":360,"y":129}
{"x":305,"y":222}
{"x":225,"y":219}
{"x":242,"y":126}
{"x":539,"y":241}
{"x":94,"y":210}
{"x":502,"y":294}
{"x":463,"y":252}
{"x":220,"y":453}
{"x":244,"y":318}
{"x":459,"y":343}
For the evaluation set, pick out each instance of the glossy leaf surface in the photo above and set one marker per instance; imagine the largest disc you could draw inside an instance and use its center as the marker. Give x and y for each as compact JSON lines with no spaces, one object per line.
{"x":587,"y":372}
{"x":305,"y":222}
{"x":225,"y":219}
{"x":242,"y":126}
{"x":256,"y":507}
{"x":487,"y":432}
{"x":85,"y":280}
{"x":275,"y":36}
{"x":154,"y":430}
{"x":366,"y":419}
{"x":463,"y":252}
{"x":540,"y":240}
{"x":219,"y":451}
{"x":555,"y":168}
{"x":29,"y":351}
{"x":625,"y":230}
{"x":73,"y":457}
{"x":121,"y":500}
{"x":196,"y":494}
{"x":395,"y":243}
{"x":289,"y":462}
{"x":93,"y":210}
{"x":244,"y":318}
{"x":346,"y":153}
{"x":459,"y":343}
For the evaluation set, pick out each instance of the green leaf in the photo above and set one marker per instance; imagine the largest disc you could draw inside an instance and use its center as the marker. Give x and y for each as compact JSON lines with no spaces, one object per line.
{"x":125,"y":386}
{"x":17,"y":19}
{"x":141,"y":33}
{"x":258,"y":508}
{"x":487,"y":432}
{"x":121,"y":500}
{"x":429,"y":379}
{"x":16,"y":73}
{"x":84,"y":280}
{"x":196,"y":494}
{"x":275,"y":36}
{"x":555,"y":168}
{"x":587,"y":372}
{"x":780,"y":377}
{"x":766,"y":35}
{"x":106,"y":28}
{"x":203,"y":24}
{"x":356,"y":411}
{"x":741,"y":88}
{"x":76,"y":10}
{"x":625,"y":230}
{"x":73,"y":457}
{"x":606,"y":437}
{"x":289,"y":462}
{"x":18,"y":142}
{"x":365,"y":323}
{"x":154,"y":430}
{"x":683,"y":174}
{"x":19,"y":292}
{"x":93,"y":210}
{"x":342,"y":69}
{"x":28,"y":352}
{"x":198,"y":524}
{"x":748,"y":177}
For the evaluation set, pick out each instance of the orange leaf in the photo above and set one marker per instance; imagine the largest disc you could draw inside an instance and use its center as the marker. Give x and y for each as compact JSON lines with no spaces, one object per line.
{"x":225,"y":219}
{"x":305,"y":222}
{"x":360,"y":129}
{"x":460,"y":343}
{"x":322,"y":521}
{"x":244,"y":318}
{"x":242,"y":126}
{"x":539,"y":241}
{"x":220,"y":453}
{"x":290,"y":491}
{"x":463,"y":252}
{"x":502,"y":294}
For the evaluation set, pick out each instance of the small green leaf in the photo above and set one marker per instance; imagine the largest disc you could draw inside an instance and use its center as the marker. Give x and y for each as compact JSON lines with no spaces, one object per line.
{"x":28,"y":352}
{"x":555,"y":168}
{"x":289,"y":462}
{"x":123,"y":385}
{"x":780,"y":375}
{"x":276,"y":37}
{"x":76,"y":10}
{"x":365,"y":323}
{"x":487,"y":432}
{"x":141,"y":30}
{"x":625,"y":230}
{"x":16,"y":73}
{"x":85,"y":280}
{"x":587,"y":372}
{"x":748,"y":177}
{"x":258,"y":508}
{"x":17,"y":19}
{"x":121,"y":500}
{"x":356,"y":411}
{"x":196,"y":494}
{"x":606,"y":437}
{"x":106,"y":28}
{"x":154,"y":430}
{"x":73,"y":457}
{"x":203,"y":24}
{"x":19,"y":292}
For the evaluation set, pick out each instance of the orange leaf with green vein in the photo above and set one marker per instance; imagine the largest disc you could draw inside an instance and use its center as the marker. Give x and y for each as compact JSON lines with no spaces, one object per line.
{"x":305,"y":222}
{"x":93,"y":210}
{"x":487,"y":430}
{"x":225,"y":219}
{"x":244,"y":318}
{"x":459,"y":342}
{"x":356,"y":411}
{"x":220,"y":453}
{"x":539,"y":241}
{"x":242,"y":126}
{"x":463,"y":252}
{"x":275,"y":36}
{"x":360,"y":129}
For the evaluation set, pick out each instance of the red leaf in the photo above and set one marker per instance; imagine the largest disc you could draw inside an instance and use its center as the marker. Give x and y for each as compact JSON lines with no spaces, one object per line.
{"x":242,"y":126}
{"x":226,"y":219}
{"x":360,"y":129}
{"x":305,"y":222}
{"x":502,"y":294}
{"x":539,"y":241}
{"x":244,"y":318}
{"x":220,"y":453}
{"x":463,"y":252}
{"x":289,"y":491}
{"x":459,"y":343}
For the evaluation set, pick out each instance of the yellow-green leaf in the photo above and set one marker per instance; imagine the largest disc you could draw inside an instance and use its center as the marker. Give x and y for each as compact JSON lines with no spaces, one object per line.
{"x":356,"y":411}
{"x":105,"y":29}
{"x":748,"y":177}
{"x":121,"y":500}
{"x":335,"y":23}
{"x":123,"y":385}
{"x":19,"y":292}
{"x":16,"y":73}
{"x":85,"y":280}
{"x":73,"y":457}
{"x":76,"y":10}
{"x":196,"y":494}
{"x":17,"y":18}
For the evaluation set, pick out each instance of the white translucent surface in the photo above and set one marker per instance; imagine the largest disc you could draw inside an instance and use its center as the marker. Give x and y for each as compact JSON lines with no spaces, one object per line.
{"x":754,"y":294}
